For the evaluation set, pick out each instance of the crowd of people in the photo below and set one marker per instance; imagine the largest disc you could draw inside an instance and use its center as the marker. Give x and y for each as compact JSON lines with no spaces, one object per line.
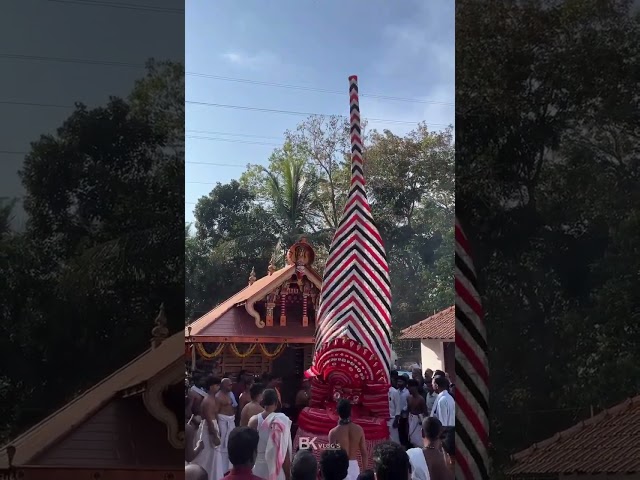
{"x":239,"y":432}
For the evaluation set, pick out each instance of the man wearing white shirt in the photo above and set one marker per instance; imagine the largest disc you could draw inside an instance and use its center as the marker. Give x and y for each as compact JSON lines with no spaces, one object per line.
{"x":394,"y":414}
{"x":444,"y":408}
{"x":403,"y":425}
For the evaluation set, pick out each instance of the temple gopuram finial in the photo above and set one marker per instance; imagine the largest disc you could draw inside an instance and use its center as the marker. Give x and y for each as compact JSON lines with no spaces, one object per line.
{"x":160,"y":332}
{"x":272,"y":265}
{"x":252,"y":276}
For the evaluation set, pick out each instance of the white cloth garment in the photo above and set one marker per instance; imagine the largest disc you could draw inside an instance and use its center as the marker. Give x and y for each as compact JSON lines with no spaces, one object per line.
{"x":226,"y":423}
{"x":444,"y":409}
{"x":394,"y":436}
{"x":394,"y":409}
{"x":209,"y":456}
{"x":415,"y":430}
{"x":199,"y":391}
{"x":431,"y":400}
{"x":354,"y":470}
{"x":394,"y":403}
{"x":419,"y":468}
{"x":403,"y":395}
{"x":273,"y":447}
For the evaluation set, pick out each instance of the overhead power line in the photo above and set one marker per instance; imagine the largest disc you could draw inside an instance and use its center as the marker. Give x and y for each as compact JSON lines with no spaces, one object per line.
{"x":122,"y":5}
{"x":236,"y":107}
{"x":9,"y":56}
{"x":304,"y":114}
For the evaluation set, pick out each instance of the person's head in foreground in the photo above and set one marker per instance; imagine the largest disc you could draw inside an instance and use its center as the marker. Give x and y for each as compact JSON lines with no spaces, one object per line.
{"x":195,"y":472}
{"x":243,"y":447}
{"x":367,"y":475}
{"x":334,"y":464}
{"x":270,"y":400}
{"x":438,"y":373}
{"x":391,"y":462}
{"x":304,"y":466}
{"x":344,"y":409}
{"x":431,"y":429}
{"x":440,"y":384}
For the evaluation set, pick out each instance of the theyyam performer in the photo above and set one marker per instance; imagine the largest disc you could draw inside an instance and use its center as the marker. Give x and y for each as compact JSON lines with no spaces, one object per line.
{"x":352,"y":355}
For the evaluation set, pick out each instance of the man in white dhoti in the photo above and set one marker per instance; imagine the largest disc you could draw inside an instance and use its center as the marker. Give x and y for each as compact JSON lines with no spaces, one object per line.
{"x":395,"y":410}
{"x":444,"y":408}
{"x":227,"y":406}
{"x":427,"y":462}
{"x":417,"y":410}
{"x":273,"y":461}
{"x":208,"y":435}
{"x":350,"y":438}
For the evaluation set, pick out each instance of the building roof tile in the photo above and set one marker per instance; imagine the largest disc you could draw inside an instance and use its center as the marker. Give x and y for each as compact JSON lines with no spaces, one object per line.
{"x":441,"y":326}
{"x":608,"y":443}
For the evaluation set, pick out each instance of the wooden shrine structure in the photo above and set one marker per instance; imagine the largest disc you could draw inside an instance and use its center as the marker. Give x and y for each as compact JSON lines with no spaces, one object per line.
{"x":129,"y":425}
{"x":268,"y":327}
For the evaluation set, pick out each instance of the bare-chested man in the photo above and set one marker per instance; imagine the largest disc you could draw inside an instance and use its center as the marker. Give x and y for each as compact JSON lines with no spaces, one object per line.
{"x":430,"y":459}
{"x":208,"y":435}
{"x":417,"y":408}
{"x":197,"y":394}
{"x":254,"y":407}
{"x":227,"y":406}
{"x":245,"y":396}
{"x":350,"y":438}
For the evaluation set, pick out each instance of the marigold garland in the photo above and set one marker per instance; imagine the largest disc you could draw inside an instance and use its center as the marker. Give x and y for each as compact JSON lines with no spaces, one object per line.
{"x":237,"y":353}
{"x":276,"y":353}
{"x":206,"y":355}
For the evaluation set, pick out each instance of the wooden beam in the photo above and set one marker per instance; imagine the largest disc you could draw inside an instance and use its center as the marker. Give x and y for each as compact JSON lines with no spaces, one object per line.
{"x":216,"y":339}
{"x":73,"y":473}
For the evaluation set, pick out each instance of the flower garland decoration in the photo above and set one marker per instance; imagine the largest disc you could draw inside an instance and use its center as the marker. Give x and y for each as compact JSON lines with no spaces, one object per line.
{"x":276,"y":353}
{"x":206,"y":355}
{"x":236,"y":352}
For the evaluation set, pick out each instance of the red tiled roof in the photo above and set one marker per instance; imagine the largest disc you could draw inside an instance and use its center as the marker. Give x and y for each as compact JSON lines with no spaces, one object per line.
{"x":262,"y":284}
{"x":237,"y":323}
{"x":441,"y":326}
{"x":207,"y":325}
{"x":608,"y":443}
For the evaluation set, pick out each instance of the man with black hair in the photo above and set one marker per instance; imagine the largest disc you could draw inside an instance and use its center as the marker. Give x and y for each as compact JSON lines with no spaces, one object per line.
{"x":242,"y":446}
{"x":334,"y":464}
{"x":275,"y":446}
{"x":444,"y":408}
{"x":350,"y":438}
{"x":367,"y":475}
{"x":428,"y":461}
{"x":448,"y":438}
{"x":390,"y":462}
{"x":304,"y":466}
{"x":254,"y":407}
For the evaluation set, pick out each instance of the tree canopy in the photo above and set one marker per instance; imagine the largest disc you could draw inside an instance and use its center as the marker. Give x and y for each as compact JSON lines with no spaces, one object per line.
{"x":101,"y":251}
{"x":302,"y":191}
{"x":547,"y":187}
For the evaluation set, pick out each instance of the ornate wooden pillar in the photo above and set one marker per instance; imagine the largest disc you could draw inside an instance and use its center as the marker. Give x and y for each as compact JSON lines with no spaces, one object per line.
{"x":283,"y":307}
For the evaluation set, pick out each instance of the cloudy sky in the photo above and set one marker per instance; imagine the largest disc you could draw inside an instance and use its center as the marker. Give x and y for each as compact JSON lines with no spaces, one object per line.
{"x":398,"y":49}
{"x":34,"y":33}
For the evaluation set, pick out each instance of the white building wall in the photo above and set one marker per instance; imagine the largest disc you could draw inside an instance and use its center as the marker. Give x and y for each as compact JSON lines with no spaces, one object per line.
{"x":432,"y":354}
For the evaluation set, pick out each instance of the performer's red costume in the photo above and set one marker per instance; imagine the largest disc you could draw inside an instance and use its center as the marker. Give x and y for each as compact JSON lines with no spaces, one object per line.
{"x":353,"y":338}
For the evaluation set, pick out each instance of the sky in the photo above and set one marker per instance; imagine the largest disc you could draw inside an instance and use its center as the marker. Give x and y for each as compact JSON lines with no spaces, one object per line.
{"x":67,"y":29}
{"x":397,"y":49}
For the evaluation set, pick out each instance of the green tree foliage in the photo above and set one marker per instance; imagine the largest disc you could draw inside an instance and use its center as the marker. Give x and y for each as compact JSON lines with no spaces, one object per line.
{"x":101,"y":251}
{"x":547,"y":186}
{"x":303,"y":191}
